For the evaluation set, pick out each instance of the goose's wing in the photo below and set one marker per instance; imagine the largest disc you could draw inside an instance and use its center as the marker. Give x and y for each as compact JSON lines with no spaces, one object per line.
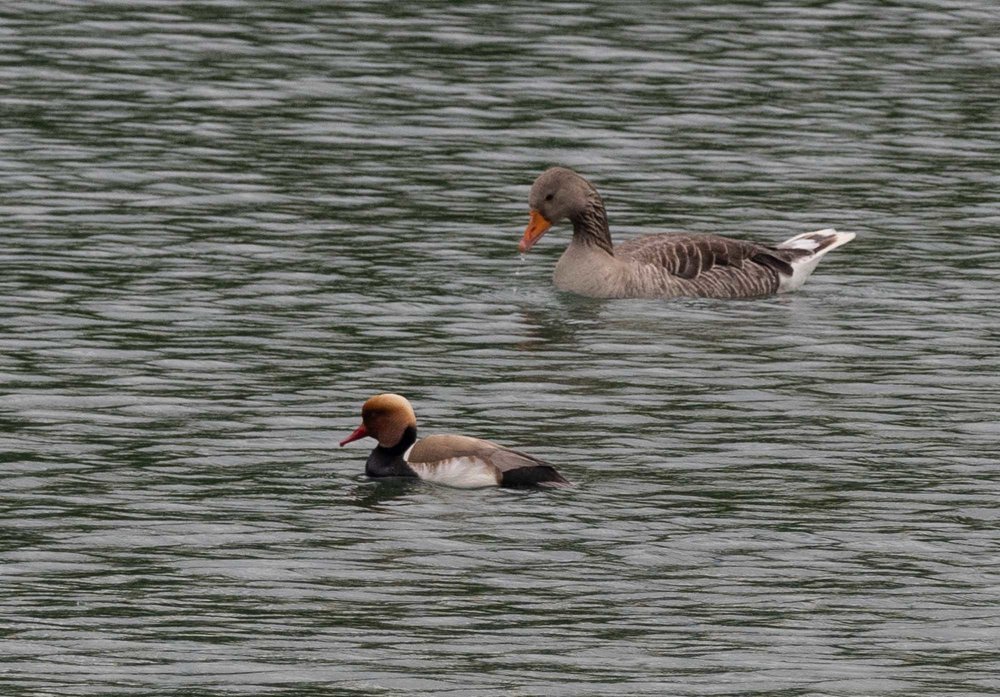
{"x":691,"y":256}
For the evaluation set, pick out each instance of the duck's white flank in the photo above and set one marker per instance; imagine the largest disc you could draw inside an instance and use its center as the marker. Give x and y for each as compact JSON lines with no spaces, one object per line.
{"x":459,"y":472}
{"x":817,"y":244}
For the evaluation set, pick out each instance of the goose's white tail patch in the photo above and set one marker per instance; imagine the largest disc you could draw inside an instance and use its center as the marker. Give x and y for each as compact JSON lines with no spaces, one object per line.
{"x":816,"y":244}
{"x":460,"y":472}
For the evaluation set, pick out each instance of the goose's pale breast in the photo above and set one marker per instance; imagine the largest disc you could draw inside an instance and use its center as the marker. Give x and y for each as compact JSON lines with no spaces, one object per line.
{"x":586,"y":270}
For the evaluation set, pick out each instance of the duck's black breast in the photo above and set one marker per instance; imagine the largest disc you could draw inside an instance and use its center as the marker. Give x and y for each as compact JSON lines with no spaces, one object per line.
{"x":389,"y":462}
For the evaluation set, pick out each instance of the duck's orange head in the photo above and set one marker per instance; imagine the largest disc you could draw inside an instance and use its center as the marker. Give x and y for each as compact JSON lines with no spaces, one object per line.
{"x":384,"y":417}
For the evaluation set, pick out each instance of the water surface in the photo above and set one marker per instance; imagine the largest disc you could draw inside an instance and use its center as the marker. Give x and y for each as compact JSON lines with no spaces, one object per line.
{"x":224,"y":226}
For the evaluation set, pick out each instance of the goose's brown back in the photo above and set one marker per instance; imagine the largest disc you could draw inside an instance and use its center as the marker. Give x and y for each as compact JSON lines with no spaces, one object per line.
{"x":704,"y":265}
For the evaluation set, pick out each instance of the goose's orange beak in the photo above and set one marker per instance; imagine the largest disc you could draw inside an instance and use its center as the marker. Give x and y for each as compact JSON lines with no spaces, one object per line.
{"x":359,"y":433}
{"x":537,"y":226}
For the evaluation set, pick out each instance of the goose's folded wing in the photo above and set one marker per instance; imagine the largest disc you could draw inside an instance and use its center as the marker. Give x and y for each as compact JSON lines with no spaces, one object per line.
{"x":690,"y":256}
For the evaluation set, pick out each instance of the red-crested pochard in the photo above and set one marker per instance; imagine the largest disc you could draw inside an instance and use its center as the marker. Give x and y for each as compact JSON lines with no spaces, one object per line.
{"x":664,"y":265}
{"x":458,"y":461}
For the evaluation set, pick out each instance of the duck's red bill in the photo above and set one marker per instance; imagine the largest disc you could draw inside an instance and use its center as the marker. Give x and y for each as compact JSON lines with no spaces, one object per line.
{"x":359,"y":433}
{"x":537,"y":225}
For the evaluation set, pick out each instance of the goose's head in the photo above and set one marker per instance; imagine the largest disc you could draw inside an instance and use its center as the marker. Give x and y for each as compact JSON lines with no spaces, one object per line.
{"x":384,"y":417}
{"x":558,"y":194}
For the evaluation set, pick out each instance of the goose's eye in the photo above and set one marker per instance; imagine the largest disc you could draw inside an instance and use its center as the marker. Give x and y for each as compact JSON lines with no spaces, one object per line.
{"x":549,"y":197}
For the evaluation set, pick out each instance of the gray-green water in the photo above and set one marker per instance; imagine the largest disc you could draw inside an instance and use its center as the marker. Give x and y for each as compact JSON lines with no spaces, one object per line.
{"x":224,"y":225}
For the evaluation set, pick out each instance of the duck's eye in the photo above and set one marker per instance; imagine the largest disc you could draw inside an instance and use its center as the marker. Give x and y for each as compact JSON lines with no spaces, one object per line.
{"x":549,"y":197}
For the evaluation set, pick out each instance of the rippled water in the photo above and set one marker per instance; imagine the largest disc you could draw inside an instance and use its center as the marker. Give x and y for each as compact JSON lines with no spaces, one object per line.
{"x":225,"y":225}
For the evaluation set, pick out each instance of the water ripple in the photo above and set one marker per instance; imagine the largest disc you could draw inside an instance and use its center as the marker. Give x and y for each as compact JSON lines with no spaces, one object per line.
{"x":226,"y":226}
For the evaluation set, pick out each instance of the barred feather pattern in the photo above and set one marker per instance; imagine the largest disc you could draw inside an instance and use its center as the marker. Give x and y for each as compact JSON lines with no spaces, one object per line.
{"x":680,"y":264}
{"x":705,"y":265}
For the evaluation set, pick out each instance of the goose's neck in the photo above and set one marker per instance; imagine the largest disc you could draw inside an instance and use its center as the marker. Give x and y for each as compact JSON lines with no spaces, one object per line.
{"x":591,"y":225}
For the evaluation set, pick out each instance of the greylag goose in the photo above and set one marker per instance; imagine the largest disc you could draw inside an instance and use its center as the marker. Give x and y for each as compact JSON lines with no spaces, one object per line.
{"x":458,"y":461}
{"x":664,"y":265}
